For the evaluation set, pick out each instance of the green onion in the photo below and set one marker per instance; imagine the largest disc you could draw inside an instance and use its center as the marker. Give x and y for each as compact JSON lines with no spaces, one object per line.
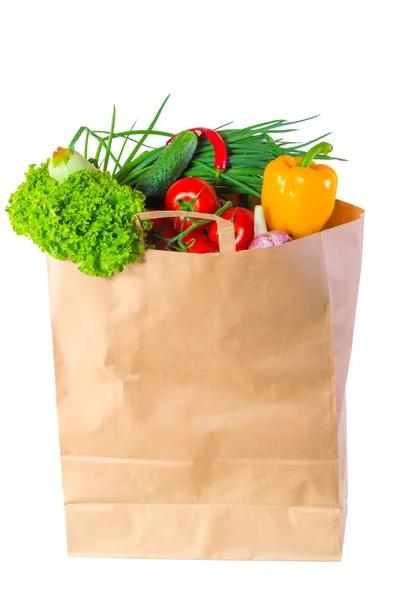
{"x":250,"y":149}
{"x":110,"y":138}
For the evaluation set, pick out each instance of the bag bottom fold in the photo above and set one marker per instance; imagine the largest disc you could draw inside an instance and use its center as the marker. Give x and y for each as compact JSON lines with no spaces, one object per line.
{"x":206,"y":531}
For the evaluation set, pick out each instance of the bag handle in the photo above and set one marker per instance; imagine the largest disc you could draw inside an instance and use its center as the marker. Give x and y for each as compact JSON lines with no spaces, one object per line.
{"x":226,"y":232}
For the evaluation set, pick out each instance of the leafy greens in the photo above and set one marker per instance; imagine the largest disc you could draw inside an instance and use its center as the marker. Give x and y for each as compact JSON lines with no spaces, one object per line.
{"x":89,"y":218}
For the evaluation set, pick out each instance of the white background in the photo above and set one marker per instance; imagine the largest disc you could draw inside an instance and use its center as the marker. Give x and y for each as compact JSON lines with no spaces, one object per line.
{"x":64,"y":65}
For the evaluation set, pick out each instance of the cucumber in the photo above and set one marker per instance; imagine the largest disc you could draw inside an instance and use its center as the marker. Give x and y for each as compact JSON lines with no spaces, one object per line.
{"x":169,"y":166}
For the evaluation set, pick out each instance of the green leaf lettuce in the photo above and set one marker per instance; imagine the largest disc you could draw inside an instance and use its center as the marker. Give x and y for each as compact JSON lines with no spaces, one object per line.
{"x":89,"y":218}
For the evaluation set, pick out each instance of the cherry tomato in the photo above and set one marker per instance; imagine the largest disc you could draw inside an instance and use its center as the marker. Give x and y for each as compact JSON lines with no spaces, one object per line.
{"x":192,"y":194}
{"x":243,"y":223}
{"x":198,"y":243}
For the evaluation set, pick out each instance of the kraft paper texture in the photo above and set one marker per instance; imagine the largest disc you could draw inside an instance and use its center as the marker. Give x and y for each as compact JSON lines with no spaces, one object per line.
{"x":201,"y":399}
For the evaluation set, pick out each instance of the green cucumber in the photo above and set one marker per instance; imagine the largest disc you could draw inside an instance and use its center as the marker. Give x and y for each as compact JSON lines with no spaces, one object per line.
{"x":169,"y":166}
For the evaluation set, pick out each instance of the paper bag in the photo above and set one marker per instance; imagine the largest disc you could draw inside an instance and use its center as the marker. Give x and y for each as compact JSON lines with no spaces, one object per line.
{"x":201,"y":399}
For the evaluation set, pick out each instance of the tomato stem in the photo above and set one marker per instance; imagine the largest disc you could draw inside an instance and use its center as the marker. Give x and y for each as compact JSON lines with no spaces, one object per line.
{"x":189,"y":204}
{"x":178,"y":238}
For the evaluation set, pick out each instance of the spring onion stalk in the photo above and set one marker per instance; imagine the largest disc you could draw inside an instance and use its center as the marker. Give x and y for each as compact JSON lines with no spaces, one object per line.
{"x":260,"y":226}
{"x":250,"y":149}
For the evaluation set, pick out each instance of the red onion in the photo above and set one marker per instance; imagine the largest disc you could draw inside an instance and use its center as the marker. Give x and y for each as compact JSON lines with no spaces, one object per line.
{"x":262,"y":237}
{"x":272,"y":238}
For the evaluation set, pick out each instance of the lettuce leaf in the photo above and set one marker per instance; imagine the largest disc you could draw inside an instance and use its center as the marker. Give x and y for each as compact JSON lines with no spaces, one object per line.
{"x":89,"y":218}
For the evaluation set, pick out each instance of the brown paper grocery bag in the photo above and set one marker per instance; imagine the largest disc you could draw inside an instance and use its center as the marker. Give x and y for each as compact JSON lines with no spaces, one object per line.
{"x":201,"y":399}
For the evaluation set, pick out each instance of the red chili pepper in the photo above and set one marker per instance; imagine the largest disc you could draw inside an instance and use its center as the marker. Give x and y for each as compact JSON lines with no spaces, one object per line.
{"x":221,"y":154}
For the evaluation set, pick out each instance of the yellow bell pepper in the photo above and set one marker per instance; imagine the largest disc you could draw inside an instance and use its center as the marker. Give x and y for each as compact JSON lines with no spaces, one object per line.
{"x":298,"y":195}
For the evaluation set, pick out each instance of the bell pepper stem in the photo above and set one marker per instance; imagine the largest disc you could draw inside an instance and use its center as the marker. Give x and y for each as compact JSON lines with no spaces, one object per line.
{"x":321,"y":148}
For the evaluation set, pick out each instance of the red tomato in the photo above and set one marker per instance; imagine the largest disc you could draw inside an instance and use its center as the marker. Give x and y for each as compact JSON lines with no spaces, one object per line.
{"x":192,"y":194}
{"x":161,"y":223}
{"x":199,"y":243}
{"x":243,"y":223}
{"x":161,"y":227}
{"x":157,"y":226}
{"x":167,"y":232}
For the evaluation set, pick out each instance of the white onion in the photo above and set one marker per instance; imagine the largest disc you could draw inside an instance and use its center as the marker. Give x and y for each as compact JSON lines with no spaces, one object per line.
{"x":65,"y":161}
